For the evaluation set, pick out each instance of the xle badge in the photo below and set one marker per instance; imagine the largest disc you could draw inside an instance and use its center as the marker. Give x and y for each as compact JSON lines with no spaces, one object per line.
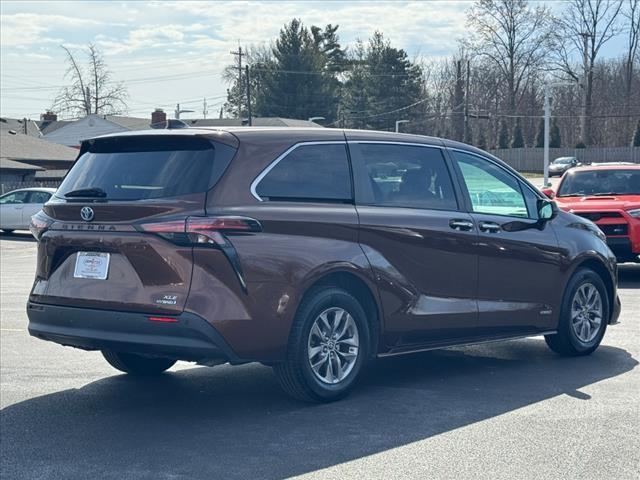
{"x":167,"y":300}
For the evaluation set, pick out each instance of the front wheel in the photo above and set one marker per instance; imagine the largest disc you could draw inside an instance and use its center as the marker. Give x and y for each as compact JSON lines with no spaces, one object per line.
{"x":137,"y":364}
{"x":583,"y":317}
{"x":328,"y":347}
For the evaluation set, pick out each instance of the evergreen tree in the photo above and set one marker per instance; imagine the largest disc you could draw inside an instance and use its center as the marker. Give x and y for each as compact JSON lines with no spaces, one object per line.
{"x":517,"y":139}
{"x":554,"y":135}
{"x":503,"y":135}
{"x":354,"y":99}
{"x":636,"y":136}
{"x":393,"y":82}
{"x":296,"y":77}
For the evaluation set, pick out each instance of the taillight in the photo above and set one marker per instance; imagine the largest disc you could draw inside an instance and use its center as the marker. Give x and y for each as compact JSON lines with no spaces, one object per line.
{"x":202,"y":230}
{"x":207,"y":231}
{"x":40,"y":222}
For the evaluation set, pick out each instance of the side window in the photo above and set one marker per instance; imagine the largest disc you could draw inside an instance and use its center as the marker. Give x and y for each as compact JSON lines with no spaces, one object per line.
{"x":491,"y":189}
{"x":39,"y":197}
{"x":310,"y":172}
{"x":407,"y":176}
{"x":17,"y":197}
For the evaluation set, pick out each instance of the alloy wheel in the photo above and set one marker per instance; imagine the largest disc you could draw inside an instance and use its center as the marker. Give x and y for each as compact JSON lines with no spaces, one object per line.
{"x":586,"y":312}
{"x":333,"y":345}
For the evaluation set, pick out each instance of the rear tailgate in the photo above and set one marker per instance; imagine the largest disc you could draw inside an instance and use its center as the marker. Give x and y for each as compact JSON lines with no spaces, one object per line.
{"x":96,"y":252}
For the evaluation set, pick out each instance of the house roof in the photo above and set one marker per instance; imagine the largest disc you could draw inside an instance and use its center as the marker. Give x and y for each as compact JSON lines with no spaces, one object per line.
{"x":18,"y":125}
{"x":130,"y":123}
{"x":256,"y":121}
{"x":48,"y":126}
{"x":24,"y":148}
{"x":6,"y":164}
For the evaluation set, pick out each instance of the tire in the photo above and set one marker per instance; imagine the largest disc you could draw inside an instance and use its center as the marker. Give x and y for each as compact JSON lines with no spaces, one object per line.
{"x":296,"y":375}
{"x":571,"y":339}
{"x":137,"y":364}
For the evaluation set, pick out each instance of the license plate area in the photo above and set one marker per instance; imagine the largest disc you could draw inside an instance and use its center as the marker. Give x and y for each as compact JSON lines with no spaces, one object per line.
{"x":93,"y":265}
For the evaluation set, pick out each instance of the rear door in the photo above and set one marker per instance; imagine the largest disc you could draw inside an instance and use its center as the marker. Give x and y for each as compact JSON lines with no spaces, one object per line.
{"x":11,"y":206}
{"x":125,"y":203}
{"x":419,"y":242}
{"x":34,"y":204}
{"x":519,"y":272}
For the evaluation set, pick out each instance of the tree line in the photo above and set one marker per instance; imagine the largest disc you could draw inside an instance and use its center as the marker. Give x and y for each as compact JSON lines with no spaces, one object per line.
{"x":489,"y":93}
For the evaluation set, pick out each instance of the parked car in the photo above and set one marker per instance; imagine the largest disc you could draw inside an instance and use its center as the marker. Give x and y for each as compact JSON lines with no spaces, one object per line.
{"x":17,"y":207}
{"x":297,"y":249}
{"x":608,"y":195}
{"x":561,"y":165}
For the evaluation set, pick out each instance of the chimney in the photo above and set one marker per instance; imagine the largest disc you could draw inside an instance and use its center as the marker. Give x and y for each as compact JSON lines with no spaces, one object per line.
{"x":48,"y":116}
{"x":158,"y":119}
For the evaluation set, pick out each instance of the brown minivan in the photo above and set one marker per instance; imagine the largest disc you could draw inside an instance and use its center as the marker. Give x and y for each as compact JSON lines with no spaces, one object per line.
{"x":310,"y":250}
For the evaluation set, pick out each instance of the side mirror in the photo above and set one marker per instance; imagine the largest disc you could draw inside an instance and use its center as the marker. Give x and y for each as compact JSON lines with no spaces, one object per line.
{"x":549,"y":192}
{"x":547,"y":210}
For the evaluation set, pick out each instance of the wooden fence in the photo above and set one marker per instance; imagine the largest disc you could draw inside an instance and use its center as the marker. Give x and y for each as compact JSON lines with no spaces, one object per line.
{"x":531,"y":159}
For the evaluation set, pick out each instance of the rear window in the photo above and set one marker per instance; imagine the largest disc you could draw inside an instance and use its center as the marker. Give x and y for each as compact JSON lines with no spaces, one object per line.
{"x":136,"y":168}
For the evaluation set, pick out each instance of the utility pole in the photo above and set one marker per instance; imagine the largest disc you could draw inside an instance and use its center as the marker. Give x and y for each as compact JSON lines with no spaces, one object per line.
{"x":547,"y":115}
{"x":180,"y":110}
{"x":204,"y":108}
{"x":239,"y":54}
{"x":247,"y":79}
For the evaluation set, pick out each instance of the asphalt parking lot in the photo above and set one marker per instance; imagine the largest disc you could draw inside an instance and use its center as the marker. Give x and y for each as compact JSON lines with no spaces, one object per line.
{"x":511,"y":410}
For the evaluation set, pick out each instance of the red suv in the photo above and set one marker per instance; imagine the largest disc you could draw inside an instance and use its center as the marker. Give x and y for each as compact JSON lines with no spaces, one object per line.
{"x":311,"y":250}
{"x":609,"y":196}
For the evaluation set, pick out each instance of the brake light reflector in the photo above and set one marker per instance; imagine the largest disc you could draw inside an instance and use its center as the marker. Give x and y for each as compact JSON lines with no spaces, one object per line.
{"x":164,"y":319}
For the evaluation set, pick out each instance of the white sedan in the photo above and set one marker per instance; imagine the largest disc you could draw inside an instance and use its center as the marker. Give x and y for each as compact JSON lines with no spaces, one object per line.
{"x":17,"y":207}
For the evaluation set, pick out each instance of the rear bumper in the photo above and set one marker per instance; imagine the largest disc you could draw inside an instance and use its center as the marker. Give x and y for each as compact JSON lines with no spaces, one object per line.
{"x":189,"y":338}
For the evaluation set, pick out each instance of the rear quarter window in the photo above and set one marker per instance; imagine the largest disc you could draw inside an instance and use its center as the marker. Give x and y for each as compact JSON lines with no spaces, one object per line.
{"x":136,"y":168}
{"x":318,"y":172}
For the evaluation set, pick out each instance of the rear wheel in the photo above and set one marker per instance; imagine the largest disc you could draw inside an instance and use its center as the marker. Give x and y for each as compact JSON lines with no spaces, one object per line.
{"x":584,"y":314}
{"x":137,"y":364}
{"x":328,"y":347}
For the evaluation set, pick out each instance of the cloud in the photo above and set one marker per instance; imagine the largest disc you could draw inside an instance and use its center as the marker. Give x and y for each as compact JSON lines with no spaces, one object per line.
{"x":31,"y":28}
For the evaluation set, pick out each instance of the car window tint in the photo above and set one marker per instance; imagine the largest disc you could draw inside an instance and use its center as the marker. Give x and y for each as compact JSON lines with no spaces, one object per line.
{"x":408,"y":176}
{"x":310,"y":172}
{"x":491,"y":189}
{"x":16,"y":197}
{"x":39,"y":197}
{"x":601,"y":182}
{"x":137,"y":168}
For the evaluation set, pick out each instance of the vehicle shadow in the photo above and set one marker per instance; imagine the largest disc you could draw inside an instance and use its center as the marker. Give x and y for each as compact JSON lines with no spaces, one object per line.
{"x":234,"y":422}
{"x":17,"y":236}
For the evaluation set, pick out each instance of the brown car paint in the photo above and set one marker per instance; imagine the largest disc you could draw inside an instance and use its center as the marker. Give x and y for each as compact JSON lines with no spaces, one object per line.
{"x":432,"y":285}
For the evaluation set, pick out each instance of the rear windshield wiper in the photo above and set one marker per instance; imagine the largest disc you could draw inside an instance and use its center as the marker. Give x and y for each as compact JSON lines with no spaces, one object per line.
{"x":603,"y":194}
{"x":95,"y":192}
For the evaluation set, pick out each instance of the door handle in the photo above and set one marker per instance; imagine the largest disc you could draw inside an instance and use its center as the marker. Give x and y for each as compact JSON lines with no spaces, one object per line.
{"x":461,"y":225}
{"x":489,"y":227}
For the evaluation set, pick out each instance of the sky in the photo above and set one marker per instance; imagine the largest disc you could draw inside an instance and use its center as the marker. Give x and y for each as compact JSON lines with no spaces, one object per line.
{"x":174,"y":52}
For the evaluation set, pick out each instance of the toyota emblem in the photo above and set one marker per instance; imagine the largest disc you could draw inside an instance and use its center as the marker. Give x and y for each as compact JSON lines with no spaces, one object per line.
{"x":87,"y":214}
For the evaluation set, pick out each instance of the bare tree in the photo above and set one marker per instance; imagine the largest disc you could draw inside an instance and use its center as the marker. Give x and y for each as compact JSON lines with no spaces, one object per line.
{"x":512,"y":36}
{"x":584,"y":28}
{"x":91,"y":88}
{"x":632,"y":14}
